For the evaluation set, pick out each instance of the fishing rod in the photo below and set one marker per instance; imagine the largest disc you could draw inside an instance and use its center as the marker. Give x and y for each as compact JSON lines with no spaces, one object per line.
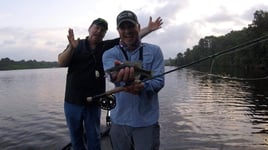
{"x":233,"y":49}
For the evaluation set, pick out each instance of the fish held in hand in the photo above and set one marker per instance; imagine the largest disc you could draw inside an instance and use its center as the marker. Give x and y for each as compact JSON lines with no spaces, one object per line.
{"x":139,"y":73}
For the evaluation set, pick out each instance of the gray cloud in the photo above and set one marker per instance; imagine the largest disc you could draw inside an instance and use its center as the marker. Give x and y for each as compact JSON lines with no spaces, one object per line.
{"x":21,"y":43}
{"x":174,"y":37}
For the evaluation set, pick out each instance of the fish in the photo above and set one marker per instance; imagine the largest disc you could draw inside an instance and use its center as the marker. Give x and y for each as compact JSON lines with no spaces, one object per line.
{"x":139,"y":73}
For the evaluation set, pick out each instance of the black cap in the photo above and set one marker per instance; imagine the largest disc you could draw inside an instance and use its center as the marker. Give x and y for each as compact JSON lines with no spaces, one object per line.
{"x":126,"y":15}
{"x":101,"y":22}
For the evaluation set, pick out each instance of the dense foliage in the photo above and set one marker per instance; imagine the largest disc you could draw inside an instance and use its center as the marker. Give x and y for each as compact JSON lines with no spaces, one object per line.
{"x":7,"y":64}
{"x":250,"y":60}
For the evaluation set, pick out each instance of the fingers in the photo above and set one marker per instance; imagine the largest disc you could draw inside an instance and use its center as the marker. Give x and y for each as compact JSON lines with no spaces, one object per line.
{"x":117,"y":62}
{"x":135,"y":87}
{"x":155,"y":25}
{"x":70,"y":35}
{"x":71,"y":31}
{"x":71,"y":39}
{"x":159,"y":21}
{"x":131,"y":74}
{"x":150,"y":19}
{"x":119,"y":76}
{"x":126,"y":74}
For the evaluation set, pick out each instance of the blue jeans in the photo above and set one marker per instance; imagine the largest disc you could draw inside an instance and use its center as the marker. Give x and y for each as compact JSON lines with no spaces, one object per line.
{"x":80,"y":120}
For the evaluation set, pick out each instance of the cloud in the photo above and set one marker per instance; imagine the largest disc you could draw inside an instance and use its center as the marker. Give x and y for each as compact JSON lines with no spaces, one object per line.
{"x":40,"y":44}
{"x":41,"y":33}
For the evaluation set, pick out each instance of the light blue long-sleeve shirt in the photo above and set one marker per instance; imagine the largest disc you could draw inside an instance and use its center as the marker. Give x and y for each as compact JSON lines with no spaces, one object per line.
{"x":143,"y":109}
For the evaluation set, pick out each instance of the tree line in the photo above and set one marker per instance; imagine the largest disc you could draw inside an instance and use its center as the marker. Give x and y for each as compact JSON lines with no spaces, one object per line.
{"x":8,"y":64}
{"x":251,"y":61}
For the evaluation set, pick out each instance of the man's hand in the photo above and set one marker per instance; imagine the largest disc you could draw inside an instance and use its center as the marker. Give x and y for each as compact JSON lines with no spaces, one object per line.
{"x":156,"y":24}
{"x":73,"y":43}
{"x":152,"y":26}
{"x":135,"y":87}
{"x":126,"y":74}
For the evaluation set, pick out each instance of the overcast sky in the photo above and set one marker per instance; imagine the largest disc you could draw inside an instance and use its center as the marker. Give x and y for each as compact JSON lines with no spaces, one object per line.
{"x":37,"y":29}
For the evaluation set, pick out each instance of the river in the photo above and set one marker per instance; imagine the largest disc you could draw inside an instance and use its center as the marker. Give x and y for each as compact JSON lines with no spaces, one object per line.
{"x":197,"y":112}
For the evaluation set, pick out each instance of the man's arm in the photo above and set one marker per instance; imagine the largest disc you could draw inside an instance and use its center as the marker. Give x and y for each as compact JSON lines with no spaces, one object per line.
{"x":152,"y":26}
{"x":65,"y":57}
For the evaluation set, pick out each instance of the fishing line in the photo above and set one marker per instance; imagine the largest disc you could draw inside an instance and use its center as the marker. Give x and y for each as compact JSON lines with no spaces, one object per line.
{"x":250,"y":44}
{"x":238,"y":79}
{"x":233,"y":49}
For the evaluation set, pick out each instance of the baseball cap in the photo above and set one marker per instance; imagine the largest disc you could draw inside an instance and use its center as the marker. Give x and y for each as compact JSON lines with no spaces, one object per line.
{"x":126,"y":15}
{"x":101,"y":22}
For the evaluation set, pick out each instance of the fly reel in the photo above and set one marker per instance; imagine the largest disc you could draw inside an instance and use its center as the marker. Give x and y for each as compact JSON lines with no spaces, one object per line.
{"x":107,"y":102}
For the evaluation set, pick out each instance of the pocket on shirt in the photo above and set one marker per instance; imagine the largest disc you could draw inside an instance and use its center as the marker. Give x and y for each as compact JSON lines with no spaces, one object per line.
{"x":147,"y":61}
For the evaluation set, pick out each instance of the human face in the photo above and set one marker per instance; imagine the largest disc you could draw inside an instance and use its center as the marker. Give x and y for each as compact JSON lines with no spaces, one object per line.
{"x":129,"y":33}
{"x":96,"y":33}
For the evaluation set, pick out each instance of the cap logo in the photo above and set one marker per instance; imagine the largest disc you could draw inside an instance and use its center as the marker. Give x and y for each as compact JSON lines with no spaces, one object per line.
{"x":123,"y":15}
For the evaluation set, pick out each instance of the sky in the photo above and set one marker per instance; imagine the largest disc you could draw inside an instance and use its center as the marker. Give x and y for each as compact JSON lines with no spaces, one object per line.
{"x":37,"y":29}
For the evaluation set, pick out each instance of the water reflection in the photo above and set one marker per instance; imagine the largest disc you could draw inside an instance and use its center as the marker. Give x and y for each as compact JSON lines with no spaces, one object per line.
{"x":197,"y":111}
{"x":213,"y":113}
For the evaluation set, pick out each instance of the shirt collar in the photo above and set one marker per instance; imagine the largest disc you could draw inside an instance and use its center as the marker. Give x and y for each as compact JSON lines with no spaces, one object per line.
{"x":136,"y":45}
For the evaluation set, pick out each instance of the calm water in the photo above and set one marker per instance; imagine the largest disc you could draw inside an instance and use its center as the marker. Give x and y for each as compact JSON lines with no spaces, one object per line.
{"x":197,"y":112}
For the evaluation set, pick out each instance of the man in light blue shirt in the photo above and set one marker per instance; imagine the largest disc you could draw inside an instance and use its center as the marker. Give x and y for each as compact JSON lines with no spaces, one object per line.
{"x":135,"y":118}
